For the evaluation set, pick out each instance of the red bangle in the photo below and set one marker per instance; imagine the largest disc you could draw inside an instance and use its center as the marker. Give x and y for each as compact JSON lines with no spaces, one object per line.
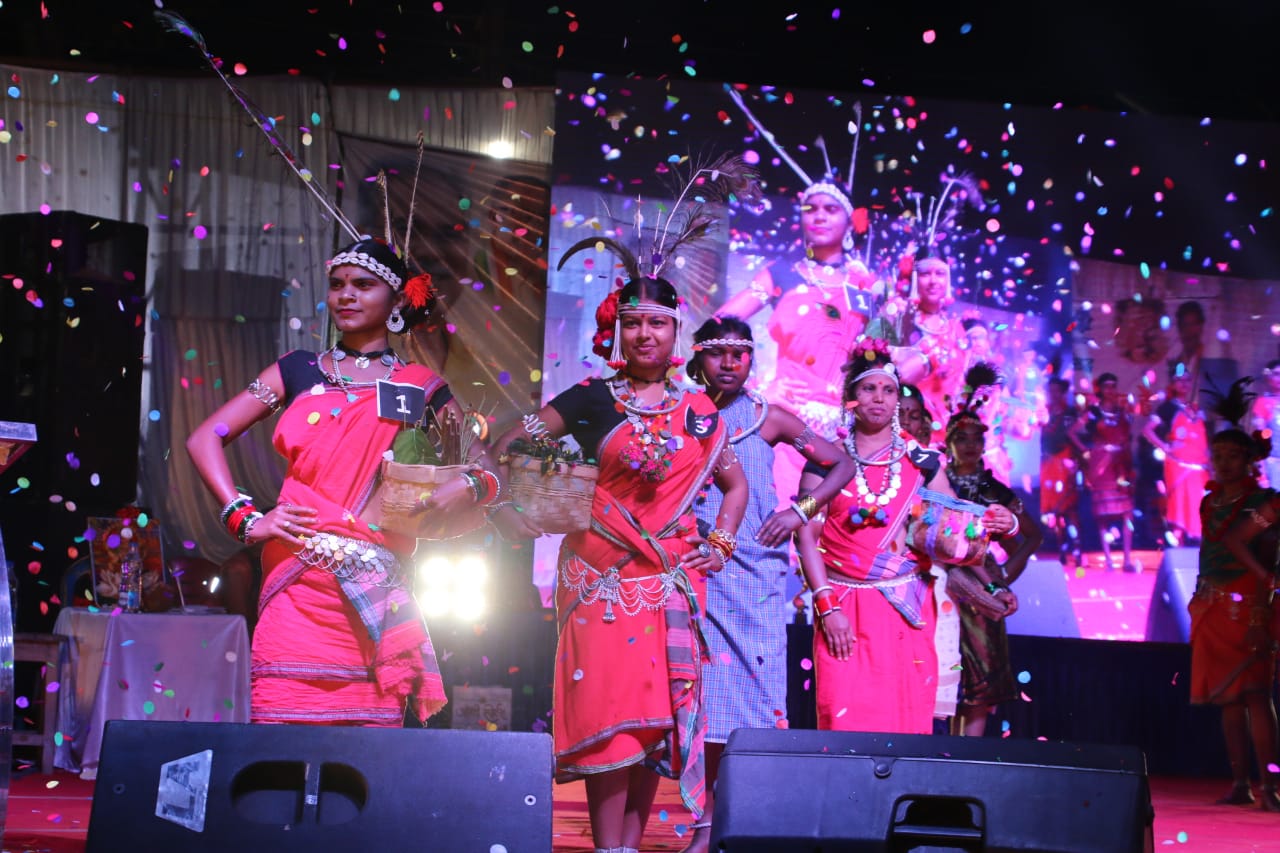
{"x":824,"y":605}
{"x":237,"y":517}
{"x":491,"y":479}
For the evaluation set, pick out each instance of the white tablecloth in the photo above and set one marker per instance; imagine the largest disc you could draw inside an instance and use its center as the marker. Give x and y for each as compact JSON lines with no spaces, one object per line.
{"x":147,"y":666}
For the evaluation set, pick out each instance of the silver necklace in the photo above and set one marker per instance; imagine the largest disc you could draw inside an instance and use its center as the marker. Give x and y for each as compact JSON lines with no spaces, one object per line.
{"x":634,"y":411}
{"x":391,"y":360}
{"x":757,"y":400}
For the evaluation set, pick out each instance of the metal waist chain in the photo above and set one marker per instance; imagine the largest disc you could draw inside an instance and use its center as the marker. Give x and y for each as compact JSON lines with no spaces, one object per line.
{"x":899,"y":580}
{"x":353,"y":559}
{"x":649,"y":592}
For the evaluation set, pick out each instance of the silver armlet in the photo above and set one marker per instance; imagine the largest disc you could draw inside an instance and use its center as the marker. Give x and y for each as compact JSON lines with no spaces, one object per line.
{"x":804,"y":439}
{"x":264,"y":395}
{"x":534,"y":425}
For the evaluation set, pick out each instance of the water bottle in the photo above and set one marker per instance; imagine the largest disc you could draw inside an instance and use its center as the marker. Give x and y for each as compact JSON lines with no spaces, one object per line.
{"x":131,"y":579}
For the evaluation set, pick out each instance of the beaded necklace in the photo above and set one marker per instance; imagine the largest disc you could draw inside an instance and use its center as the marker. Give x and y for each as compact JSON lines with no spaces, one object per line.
{"x":871,"y":505}
{"x":652,"y":441}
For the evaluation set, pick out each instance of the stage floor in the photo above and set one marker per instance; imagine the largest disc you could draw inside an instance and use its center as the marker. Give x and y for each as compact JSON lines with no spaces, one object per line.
{"x":50,"y":814}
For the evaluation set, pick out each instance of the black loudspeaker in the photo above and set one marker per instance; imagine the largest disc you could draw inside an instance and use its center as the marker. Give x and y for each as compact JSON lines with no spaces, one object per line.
{"x":1168,"y":620}
{"x":841,"y":792}
{"x":1044,"y":602}
{"x":221,"y":786}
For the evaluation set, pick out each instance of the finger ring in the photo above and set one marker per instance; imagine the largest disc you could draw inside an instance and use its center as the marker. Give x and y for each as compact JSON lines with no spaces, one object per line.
{"x":704,"y":549}
{"x":288,"y":525}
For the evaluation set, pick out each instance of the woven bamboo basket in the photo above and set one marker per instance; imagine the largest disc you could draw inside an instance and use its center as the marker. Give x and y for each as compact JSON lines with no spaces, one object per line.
{"x":558,"y":501}
{"x":401,"y":487}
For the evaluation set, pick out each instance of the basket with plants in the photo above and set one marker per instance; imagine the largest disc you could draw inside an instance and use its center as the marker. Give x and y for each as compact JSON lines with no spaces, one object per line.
{"x":551,"y":483}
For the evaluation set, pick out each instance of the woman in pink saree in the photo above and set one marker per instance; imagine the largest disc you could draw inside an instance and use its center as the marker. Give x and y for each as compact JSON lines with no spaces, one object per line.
{"x":339,"y":638}
{"x":875,"y":662}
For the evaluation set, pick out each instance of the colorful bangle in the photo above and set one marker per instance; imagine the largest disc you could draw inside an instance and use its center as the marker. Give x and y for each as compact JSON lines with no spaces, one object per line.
{"x":830,"y":610}
{"x":492,"y":485}
{"x":237,"y":518}
{"x":233,"y":505}
{"x":824,"y":588}
{"x":804,"y":519}
{"x":823,"y":606}
{"x":247,"y":526}
{"x":994,"y":587}
{"x":475,"y":484}
{"x":1013,"y":531}
{"x":808,"y":505}
{"x":723,"y":541}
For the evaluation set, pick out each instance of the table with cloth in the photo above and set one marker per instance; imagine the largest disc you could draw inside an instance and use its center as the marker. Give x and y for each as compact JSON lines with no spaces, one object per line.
{"x":147,"y":666}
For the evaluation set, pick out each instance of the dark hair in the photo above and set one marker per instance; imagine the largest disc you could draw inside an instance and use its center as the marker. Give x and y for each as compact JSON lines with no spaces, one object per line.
{"x":644,"y":289}
{"x":1255,"y":446}
{"x":969,"y":322}
{"x":1105,"y":378}
{"x":856,"y":366}
{"x":1272,"y":364}
{"x":1059,"y":382}
{"x":722,"y":326}
{"x":1188,"y":308}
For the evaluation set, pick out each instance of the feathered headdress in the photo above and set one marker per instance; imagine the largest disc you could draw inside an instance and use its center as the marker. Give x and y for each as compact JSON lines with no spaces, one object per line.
{"x":727,"y":178}
{"x":838,"y":187}
{"x":1234,"y":405}
{"x":422,"y":290}
{"x":981,"y":375}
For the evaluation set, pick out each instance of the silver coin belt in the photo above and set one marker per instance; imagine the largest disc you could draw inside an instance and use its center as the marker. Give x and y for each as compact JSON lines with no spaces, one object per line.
{"x":353,"y":559}
{"x":631,"y":594}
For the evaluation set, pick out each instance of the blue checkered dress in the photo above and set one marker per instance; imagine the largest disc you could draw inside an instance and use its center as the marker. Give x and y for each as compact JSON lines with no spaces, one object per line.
{"x":746,"y":604}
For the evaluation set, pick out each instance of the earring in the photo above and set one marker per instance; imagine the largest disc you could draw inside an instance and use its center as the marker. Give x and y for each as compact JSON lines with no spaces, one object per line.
{"x":847,"y":242}
{"x":395,"y":323}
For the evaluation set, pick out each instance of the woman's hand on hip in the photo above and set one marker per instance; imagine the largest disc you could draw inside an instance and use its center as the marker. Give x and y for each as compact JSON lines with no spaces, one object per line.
{"x":286,"y":521}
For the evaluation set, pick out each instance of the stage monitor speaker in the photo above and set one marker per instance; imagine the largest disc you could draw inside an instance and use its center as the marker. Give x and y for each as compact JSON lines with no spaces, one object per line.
{"x":857,"y":792}
{"x":201,"y":787}
{"x":1168,"y":620}
{"x":1044,"y":602}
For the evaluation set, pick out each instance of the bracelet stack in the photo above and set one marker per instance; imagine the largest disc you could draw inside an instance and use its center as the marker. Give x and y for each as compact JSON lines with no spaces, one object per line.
{"x":805,"y":507}
{"x":239,"y":516}
{"x":484,"y":485}
{"x":824,"y":605}
{"x":723,"y":543}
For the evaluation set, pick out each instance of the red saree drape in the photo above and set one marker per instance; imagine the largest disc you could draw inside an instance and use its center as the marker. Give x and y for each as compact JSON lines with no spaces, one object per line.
{"x":629,"y":689}
{"x":324,"y":650}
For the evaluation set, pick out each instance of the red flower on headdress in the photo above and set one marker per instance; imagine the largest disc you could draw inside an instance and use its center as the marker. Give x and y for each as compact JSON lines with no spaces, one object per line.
{"x":861,"y":220}
{"x":607,"y":312}
{"x":419,"y":290}
{"x":906,"y":264}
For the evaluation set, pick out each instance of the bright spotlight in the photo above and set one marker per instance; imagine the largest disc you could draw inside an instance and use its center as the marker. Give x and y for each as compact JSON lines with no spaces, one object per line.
{"x":453,"y":586}
{"x":501,"y":149}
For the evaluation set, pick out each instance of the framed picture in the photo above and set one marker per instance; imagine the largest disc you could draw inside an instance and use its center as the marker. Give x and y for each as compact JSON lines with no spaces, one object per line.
{"x":109,"y":542}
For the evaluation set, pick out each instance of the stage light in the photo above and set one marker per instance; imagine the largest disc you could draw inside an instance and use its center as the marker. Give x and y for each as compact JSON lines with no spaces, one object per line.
{"x":501,"y":149}
{"x":453,"y":586}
